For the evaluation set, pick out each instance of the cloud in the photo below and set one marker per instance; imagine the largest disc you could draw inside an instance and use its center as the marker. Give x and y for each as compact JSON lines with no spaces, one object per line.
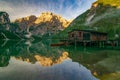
{"x":69,"y":9}
{"x":17,"y":10}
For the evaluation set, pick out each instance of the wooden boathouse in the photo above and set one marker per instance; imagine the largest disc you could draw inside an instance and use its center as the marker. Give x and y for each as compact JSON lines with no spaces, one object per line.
{"x":87,"y":38}
{"x":86,"y":35}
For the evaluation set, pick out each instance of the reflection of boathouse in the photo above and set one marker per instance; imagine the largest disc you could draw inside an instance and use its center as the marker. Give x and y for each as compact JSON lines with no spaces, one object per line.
{"x":86,"y":35}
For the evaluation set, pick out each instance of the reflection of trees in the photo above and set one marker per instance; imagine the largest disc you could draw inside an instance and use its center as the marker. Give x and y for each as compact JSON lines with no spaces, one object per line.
{"x":4,"y":53}
{"x":31,"y":52}
{"x":98,"y":61}
{"x":4,"y":58}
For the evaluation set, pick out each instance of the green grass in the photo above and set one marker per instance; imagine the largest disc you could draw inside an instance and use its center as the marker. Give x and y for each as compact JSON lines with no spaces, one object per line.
{"x":112,"y":76}
{"x":110,"y":2}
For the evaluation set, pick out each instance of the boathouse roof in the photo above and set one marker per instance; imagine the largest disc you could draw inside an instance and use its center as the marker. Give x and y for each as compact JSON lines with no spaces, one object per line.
{"x":91,"y":31}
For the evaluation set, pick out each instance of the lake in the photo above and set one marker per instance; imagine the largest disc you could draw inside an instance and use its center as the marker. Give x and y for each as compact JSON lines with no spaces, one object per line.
{"x":37,"y":60}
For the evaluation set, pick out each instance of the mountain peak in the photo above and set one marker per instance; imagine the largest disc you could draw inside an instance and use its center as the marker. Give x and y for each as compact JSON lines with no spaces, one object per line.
{"x":4,"y":18}
{"x":46,"y":23}
{"x":53,"y":18}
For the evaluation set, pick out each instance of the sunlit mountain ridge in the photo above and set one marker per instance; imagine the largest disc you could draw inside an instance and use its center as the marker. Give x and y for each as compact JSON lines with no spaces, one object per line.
{"x":47,"y":24}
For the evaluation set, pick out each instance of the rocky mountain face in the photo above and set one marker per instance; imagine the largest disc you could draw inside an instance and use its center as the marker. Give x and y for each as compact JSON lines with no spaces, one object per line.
{"x":8,"y":30}
{"x":46,"y":24}
{"x":103,"y":16}
{"x":4,"y":21}
{"x":26,"y":22}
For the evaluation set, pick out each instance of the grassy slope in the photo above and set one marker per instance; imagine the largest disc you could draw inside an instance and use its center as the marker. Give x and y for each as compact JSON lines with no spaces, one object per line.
{"x":106,"y":19}
{"x":76,"y":24}
{"x":111,"y":2}
{"x":112,"y":76}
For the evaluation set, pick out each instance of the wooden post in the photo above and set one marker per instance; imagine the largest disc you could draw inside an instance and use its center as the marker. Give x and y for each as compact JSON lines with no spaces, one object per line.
{"x":117,"y":43}
{"x":90,"y":44}
{"x":100,"y":44}
{"x":103,"y":44}
{"x":75,"y":44}
{"x":112,"y":44}
{"x":85,"y":43}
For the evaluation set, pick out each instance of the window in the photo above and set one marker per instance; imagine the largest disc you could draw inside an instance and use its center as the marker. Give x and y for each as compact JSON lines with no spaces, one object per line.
{"x":86,"y":36}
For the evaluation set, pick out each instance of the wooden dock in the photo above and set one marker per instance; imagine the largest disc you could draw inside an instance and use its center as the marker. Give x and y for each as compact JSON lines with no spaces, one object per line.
{"x":103,"y":43}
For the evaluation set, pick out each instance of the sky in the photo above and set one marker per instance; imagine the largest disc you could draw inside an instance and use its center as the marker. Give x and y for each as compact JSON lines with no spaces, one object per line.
{"x":69,"y":9}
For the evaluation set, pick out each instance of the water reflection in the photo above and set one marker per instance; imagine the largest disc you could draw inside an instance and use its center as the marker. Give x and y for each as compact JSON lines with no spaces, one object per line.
{"x":30,"y":52}
{"x":101,"y":62}
{"x":67,"y":70}
{"x":26,"y":60}
{"x":43,"y":60}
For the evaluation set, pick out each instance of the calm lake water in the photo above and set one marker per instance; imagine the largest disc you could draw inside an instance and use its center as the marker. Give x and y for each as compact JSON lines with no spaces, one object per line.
{"x":37,"y":60}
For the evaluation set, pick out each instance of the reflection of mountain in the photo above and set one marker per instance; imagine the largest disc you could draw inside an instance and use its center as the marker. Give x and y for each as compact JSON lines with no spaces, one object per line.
{"x":23,"y":54}
{"x":99,"y":61}
{"x":31,"y":52}
{"x":43,"y":60}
